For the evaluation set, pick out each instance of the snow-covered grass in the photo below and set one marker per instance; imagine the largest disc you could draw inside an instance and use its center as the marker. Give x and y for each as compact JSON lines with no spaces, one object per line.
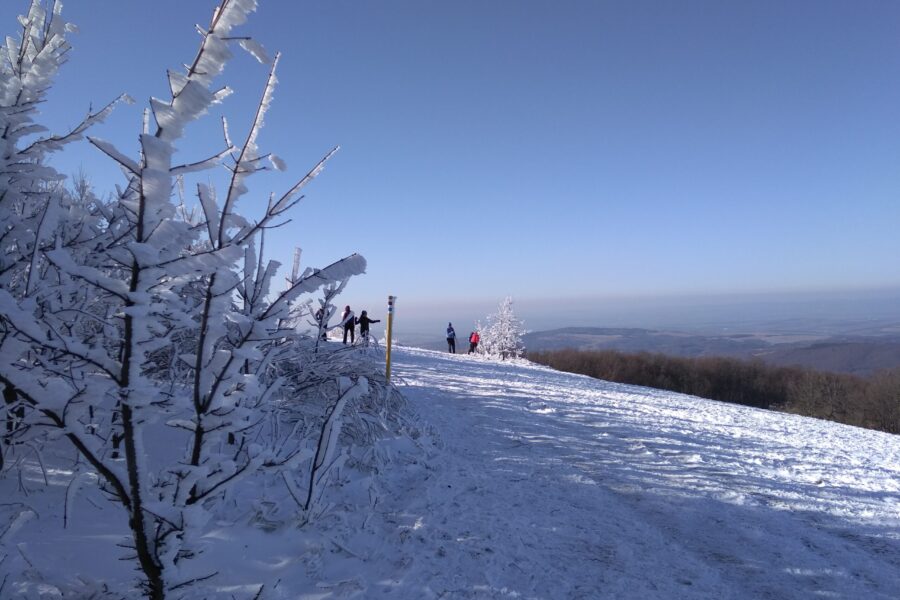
{"x":534,"y":484}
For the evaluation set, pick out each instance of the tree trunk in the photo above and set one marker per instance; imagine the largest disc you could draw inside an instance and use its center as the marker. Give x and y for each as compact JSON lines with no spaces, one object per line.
{"x":147,"y":558}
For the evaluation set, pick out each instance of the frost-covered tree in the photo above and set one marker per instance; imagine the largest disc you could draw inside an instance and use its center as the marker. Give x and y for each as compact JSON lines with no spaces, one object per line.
{"x":29,"y":188}
{"x":144,"y":318}
{"x":327,"y":309}
{"x":502,"y":337}
{"x":36,"y":212}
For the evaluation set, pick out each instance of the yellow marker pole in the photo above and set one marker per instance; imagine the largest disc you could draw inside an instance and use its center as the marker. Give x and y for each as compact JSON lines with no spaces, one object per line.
{"x":390,"y":326}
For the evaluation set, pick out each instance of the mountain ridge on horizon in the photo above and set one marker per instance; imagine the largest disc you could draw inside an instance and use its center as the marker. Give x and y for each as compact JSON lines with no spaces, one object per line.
{"x":855,"y":354}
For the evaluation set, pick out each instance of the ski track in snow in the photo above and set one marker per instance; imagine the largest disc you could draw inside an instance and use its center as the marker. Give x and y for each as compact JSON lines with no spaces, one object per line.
{"x":553,"y":485}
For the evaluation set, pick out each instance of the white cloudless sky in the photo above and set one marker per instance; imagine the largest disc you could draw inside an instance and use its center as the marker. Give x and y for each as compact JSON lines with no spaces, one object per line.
{"x":547,"y":150}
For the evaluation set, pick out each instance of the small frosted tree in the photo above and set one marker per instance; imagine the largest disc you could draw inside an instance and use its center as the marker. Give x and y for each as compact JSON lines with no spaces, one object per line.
{"x":130,"y":316}
{"x":37,"y":213}
{"x":502,"y":337}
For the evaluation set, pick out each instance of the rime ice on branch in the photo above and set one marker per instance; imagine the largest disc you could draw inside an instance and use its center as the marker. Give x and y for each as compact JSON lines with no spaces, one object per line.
{"x":146,"y":317}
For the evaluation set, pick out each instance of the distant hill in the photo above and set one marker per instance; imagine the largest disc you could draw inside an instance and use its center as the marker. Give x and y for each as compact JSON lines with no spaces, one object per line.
{"x":857,"y":355}
{"x":639,"y":340}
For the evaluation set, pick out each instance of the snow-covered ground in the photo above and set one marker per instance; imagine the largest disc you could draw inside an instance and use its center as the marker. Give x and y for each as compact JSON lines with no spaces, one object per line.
{"x":560,"y":486}
{"x":542,"y":484}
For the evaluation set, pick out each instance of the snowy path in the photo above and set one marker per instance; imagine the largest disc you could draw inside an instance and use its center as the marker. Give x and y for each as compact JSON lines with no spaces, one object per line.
{"x":558,"y":486}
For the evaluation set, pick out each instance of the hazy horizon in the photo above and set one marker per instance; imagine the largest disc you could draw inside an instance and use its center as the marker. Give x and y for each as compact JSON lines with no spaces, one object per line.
{"x":830,"y":312}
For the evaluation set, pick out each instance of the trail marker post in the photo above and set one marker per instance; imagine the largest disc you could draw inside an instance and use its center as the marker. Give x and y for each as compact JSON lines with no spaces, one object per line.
{"x":390,"y":326}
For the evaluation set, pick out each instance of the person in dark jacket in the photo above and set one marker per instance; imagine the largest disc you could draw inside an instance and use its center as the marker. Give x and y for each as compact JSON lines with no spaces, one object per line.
{"x":348,"y":322}
{"x":364,"y":322}
{"x":320,"y":319}
{"x":451,"y":338}
{"x":474,"y":338}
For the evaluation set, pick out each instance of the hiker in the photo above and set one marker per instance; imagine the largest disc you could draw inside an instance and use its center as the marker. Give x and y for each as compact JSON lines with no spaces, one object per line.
{"x":474,"y":338}
{"x":320,"y":316}
{"x":348,"y":322}
{"x":364,"y":322}
{"x":451,"y":338}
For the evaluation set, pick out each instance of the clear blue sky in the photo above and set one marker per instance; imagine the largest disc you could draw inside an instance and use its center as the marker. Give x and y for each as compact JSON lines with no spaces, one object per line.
{"x":547,"y":150}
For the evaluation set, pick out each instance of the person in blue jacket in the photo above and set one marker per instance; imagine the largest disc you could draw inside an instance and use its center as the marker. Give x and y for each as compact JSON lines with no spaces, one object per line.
{"x":451,"y":338}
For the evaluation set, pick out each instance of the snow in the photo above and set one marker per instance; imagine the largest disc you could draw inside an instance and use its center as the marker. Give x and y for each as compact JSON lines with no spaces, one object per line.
{"x":255,"y":49}
{"x":277,"y":162}
{"x":528,"y":483}
{"x":113,"y":152}
{"x":560,"y":486}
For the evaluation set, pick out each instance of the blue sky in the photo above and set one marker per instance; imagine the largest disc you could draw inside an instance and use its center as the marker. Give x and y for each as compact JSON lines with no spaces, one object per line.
{"x":560,"y":152}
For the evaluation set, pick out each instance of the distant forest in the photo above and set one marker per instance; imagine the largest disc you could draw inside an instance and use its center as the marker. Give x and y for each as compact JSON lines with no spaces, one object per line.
{"x":872,"y":402}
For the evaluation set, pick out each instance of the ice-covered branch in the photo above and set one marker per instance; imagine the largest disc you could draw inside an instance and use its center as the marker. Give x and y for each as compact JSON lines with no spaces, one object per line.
{"x":345,"y":268}
{"x":248,"y":153}
{"x":284,"y":202}
{"x":56,"y":142}
{"x":331,"y":430}
{"x":111,"y":151}
{"x":201,"y":165}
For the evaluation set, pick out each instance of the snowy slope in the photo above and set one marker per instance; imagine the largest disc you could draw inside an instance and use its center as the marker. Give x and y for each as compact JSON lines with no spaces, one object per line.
{"x":548,"y":485}
{"x":559,"y":486}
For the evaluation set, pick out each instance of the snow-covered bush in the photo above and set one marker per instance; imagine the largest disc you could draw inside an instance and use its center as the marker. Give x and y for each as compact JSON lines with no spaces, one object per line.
{"x":502,"y":336}
{"x":148,"y":335}
{"x":37,"y":213}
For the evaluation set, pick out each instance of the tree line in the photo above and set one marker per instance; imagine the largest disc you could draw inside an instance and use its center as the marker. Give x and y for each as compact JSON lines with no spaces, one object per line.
{"x":872,"y":402}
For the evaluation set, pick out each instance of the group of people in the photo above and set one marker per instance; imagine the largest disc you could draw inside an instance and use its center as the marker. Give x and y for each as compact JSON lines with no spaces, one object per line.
{"x":474,"y":338}
{"x":348,"y":324}
{"x":349,"y":321}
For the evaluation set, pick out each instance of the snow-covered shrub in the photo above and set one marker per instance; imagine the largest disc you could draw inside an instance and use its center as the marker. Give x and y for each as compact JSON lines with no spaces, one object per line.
{"x":150,"y":318}
{"x":502,"y":336}
{"x":37,"y":213}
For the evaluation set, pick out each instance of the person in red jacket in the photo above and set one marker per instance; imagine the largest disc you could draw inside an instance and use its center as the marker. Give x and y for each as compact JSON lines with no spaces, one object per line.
{"x":474,"y":338}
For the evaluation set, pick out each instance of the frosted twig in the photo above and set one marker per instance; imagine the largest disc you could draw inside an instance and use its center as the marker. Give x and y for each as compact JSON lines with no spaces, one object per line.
{"x":22,"y":554}
{"x":290,"y":490}
{"x":37,"y":455}
{"x":193,"y":581}
{"x":22,"y":487}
